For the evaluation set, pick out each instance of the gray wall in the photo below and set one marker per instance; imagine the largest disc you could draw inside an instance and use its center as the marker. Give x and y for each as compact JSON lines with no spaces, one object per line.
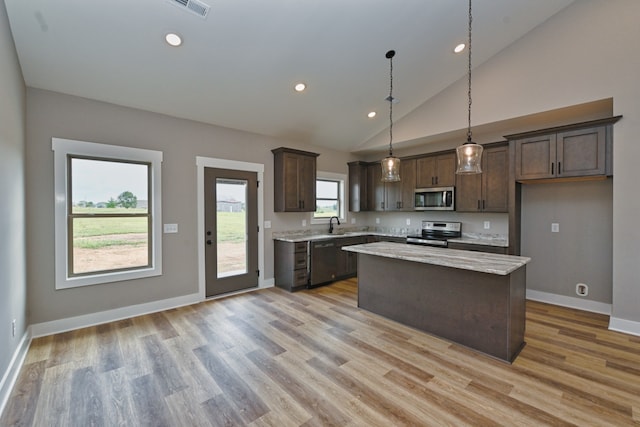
{"x":13,"y":282}
{"x":52,"y":114}
{"x":582,"y":251}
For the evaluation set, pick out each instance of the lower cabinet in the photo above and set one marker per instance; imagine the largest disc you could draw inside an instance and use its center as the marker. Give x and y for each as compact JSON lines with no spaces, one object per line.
{"x":291,"y":265}
{"x":347,"y":262}
{"x":479,"y":248}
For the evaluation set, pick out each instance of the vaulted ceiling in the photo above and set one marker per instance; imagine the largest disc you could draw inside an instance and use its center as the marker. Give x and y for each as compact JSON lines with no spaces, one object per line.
{"x":238,"y":64}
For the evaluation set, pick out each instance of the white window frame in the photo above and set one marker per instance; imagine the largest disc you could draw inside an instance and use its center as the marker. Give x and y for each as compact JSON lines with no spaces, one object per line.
{"x":62,"y":148}
{"x":341,"y":179}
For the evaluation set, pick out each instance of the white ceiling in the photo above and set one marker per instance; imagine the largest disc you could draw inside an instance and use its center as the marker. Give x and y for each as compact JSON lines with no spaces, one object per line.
{"x":237,"y":67}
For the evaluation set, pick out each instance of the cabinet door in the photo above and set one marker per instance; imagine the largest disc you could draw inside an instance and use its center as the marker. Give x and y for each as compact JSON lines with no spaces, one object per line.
{"x":436,"y":171}
{"x":426,"y":172}
{"x":307,"y":183}
{"x":495,"y":180}
{"x":375,"y":187}
{"x":446,"y":170}
{"x":408,"y":184}
{"x":581,"y":152}
{"x":292,"y":202}
{"x":393,"y":194}
{"x":469,"y":192}
{"x":358,"y":200}
{"x":535,"y":157}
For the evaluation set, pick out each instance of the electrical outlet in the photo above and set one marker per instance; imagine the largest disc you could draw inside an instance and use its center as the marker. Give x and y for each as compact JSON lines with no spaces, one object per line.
{"x":377,"y":220}
{"x":13,"y":328}
{"x":353,"y":220}
{"x":582,"y":289}
{"x":555,"y":227}
{"x":487,"y":225}
{"x":304,"y":222}
{"x":408,"y":221}
{"x":267,"y":224}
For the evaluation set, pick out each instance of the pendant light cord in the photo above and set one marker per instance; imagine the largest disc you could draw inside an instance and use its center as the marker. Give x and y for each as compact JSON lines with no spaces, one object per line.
{"x":390,"y":55}
{"x":469,"y":74}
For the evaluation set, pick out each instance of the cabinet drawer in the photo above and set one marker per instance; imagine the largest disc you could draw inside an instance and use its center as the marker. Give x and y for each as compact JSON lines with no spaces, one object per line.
{"x":300,"y":247}
{"x":300,"y":277}
{"x":300,"y":260}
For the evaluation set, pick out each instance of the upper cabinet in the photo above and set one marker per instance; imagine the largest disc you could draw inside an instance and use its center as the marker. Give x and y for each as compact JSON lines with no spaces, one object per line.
{"x":436,"y":170}
{"x":580,"y":150}
{"x":358,"y":200}
{"x":488,"y":191}
{"x":294,"y":180}
{"x":368,"y":193}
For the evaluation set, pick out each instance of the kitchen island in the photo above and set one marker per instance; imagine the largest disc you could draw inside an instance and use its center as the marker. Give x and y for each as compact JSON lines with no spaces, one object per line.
{"x":471,"y":298}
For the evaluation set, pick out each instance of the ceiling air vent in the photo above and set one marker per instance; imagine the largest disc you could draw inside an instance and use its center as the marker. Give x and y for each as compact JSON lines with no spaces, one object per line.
{"x":194,"y":6}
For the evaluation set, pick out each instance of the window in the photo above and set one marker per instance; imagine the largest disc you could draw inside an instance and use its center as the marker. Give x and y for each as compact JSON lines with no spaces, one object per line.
{"x":107,"y":213}
{"x":329,"y":197}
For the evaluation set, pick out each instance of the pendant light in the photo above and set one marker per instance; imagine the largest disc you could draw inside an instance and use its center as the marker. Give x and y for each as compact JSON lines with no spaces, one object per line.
{"x":469,"y":154}
{"x":390,"y":164}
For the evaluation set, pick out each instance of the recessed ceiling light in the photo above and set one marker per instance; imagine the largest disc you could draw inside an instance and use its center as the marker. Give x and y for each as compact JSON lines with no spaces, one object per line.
{"x":371,"y":115}
{"x":299,"y":87}
{"x":173,"y":39}
{"x":459,"y":48}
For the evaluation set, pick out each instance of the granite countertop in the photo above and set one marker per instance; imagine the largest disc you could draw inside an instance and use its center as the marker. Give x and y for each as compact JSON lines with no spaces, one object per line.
{"x":466,"y":260}
{"x":304,"y":237}
{"x":482,"y":239}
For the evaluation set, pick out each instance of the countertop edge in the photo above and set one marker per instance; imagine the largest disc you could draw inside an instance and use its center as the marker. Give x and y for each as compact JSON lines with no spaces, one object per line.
{"x":466,"y":260}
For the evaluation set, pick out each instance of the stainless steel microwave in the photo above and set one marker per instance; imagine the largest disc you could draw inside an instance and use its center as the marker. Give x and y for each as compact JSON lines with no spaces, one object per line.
{"x":435,"y":199}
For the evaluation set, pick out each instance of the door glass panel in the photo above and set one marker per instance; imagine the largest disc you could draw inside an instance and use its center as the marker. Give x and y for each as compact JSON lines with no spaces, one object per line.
{"x":231,"y":226}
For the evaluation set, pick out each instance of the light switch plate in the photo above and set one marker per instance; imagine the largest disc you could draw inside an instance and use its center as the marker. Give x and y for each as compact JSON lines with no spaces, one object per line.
{"x":170,"y":228}
{"x":377,"y":220}
{"x":555,"y":227}
{"x":304,"y":222}
{"x":408,"y":221}
{"x":487,"y":225}
{"x":267,"y":224}
{"x":353,"y":220}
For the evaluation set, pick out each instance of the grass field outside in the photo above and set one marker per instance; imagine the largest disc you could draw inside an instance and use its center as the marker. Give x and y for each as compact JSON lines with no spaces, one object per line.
{"x":121,"y":242}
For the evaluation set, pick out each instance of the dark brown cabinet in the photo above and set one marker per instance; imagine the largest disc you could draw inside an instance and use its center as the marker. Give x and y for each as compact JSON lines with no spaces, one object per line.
{"x":347,"y":262}
{"x":488,"y":191}
{"x":291,"y":264}
{"x":479,"y":248}
{"x":294,"y":180}
{"x":436,"y":170}
{"x":400,"y":196}
{"x":376,"y":195}
{"x":572,"y":153}
{"x":358,"y":195}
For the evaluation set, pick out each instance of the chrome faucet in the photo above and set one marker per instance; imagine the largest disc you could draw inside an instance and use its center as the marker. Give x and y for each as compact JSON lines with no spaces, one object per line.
{"x":331,"y":223}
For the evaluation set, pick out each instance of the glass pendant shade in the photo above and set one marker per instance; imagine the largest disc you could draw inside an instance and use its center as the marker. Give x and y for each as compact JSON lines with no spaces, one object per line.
{"x":390,"y":169}
{"x":469,"y":157}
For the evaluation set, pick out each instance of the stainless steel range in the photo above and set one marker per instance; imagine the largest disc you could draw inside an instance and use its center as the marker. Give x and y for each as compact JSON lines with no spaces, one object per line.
{"x":436,"y":233}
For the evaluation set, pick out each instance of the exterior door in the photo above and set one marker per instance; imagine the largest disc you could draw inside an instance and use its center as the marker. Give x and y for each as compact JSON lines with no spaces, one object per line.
{"x":231,"y":228}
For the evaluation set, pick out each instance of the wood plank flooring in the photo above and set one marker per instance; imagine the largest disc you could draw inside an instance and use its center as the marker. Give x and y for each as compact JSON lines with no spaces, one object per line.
{"x":312,"y":358}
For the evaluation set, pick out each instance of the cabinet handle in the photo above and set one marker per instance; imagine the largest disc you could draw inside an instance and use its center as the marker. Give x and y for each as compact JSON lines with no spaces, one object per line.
{"x":382,"y":205}
{"x":559,"y":168}
{"x":552,"y":164}
{"x":436,"y":180}
{"x":432,"y":183}
{"x":483,"y":205}
{"x":478,"y":204}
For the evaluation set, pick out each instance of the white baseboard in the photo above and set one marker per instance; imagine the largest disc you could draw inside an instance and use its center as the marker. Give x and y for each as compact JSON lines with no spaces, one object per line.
{"x":625,"y":326}
{"x":571,"y":302}
{"x":11,"y":375}
{"x":77,"y":322}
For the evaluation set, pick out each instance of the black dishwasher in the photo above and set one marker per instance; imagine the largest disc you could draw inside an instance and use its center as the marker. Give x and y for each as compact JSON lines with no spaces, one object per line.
{"x":323,"y":262}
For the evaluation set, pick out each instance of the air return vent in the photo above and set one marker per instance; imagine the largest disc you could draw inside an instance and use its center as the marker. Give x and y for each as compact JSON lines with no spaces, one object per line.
{"x":194,"y":6}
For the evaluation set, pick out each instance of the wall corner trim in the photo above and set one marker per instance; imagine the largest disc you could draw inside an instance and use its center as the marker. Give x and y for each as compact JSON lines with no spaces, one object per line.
{"x":11,"y":375}
{"x":624,"y":326}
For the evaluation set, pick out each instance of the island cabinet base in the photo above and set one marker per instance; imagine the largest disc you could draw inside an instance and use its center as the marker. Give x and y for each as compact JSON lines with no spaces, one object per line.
{"x":482,"y":311}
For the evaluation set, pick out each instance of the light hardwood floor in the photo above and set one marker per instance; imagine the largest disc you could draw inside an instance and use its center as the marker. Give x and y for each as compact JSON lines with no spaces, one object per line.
{"x":312,"y":358}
